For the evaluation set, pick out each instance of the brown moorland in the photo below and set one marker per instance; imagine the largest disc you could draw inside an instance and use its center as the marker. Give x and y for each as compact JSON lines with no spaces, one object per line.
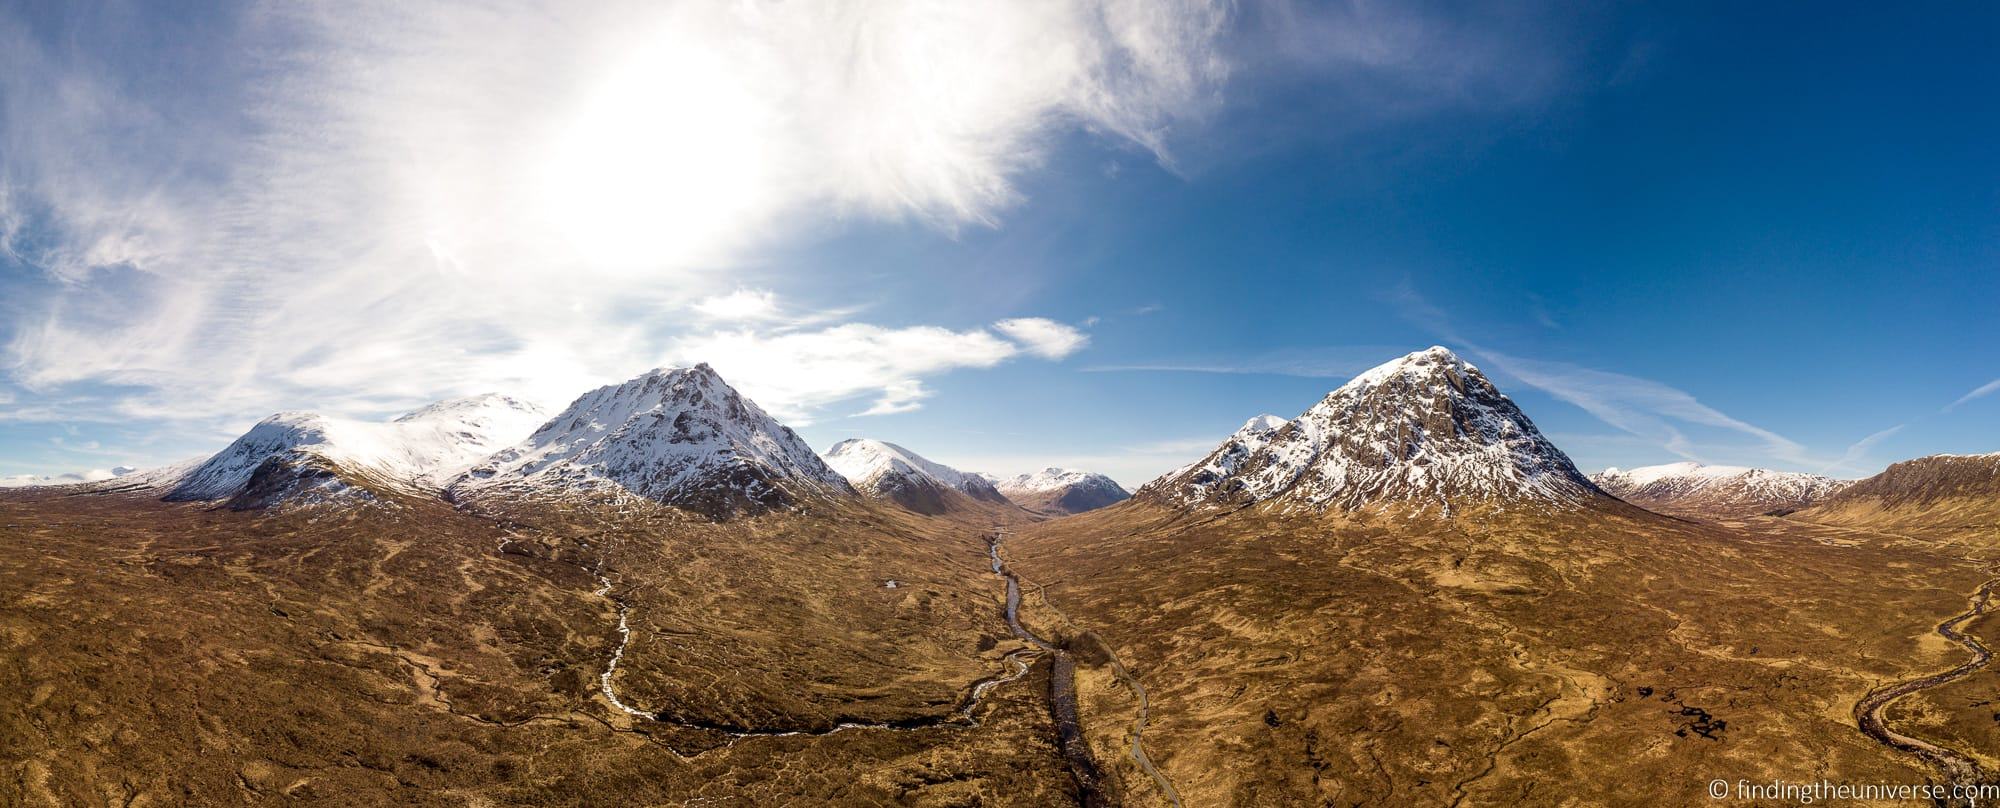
{"x":410,"y":653}
{"x":1605,"y":656}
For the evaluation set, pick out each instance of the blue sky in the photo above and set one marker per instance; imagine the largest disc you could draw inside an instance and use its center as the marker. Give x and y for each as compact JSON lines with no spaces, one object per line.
{"x":1094,"y":234}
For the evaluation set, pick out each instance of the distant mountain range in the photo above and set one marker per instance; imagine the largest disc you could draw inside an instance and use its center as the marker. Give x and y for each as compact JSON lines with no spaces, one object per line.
{"x":1957,"y":494}
{"x":678,"y":436}
{"x":1426,"y":431}
{"x":1697,"y":490}
{"x":72,"y":478}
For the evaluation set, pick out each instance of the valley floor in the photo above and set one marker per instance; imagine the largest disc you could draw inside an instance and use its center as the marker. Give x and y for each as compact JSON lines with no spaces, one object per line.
{"x":416,"y":654}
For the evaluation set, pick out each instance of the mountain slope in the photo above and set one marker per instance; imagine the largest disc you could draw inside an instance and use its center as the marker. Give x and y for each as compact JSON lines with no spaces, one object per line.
{"x":1199,"y":479}
{"x":1426,"y":428}
{"x":887,"y":471}
{"x":1063,"y":491}
{"x":1949,"y":493}
{"x":679,"y":436}
{"x":1694,"y":489}
{"x":302,"y":455}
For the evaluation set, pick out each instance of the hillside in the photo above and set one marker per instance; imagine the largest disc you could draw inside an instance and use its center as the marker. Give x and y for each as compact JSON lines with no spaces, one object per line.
{"x":1947,"y":494}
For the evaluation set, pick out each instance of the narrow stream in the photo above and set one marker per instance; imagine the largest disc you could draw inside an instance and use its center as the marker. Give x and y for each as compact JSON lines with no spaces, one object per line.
{"x":1956,"y":767}
{"x":1062,"y":689}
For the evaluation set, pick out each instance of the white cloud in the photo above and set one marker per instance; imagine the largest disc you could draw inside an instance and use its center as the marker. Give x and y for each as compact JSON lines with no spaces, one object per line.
{"x":408,"y":200}
{"x":899,"y":396}
{"x":742,"y":304}
{"x":1044,"y":337}
{"x":796,"y":374}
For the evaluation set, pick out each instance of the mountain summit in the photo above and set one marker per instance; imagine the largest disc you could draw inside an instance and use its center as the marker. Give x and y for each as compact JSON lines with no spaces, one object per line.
{"x":679,"y":436}
{"x":1425,"y":428}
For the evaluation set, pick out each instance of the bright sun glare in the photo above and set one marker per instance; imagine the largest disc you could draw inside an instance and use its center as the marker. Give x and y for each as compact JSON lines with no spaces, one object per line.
{"x":665,"y":159}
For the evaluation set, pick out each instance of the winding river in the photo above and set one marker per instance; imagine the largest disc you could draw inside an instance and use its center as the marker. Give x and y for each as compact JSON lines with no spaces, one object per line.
{"x":1956,"y":767}
{"x":1062,"y":689}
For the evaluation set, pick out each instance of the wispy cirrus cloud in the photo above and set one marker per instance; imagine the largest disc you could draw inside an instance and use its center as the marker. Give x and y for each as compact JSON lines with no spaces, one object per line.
{"x":367,"y":205}
{"x":1979,"y":392}
{"x":1639,"y":406}
{"x":1850,"y":460}
{"x":1642,"y":407}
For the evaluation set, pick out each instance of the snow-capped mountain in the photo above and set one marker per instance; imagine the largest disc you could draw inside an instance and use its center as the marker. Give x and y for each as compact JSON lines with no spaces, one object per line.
{"x":1694,"y":489}
{"x":679,"y":436}
{"x":294,"y":455}
{"x":887,"y":471}
{"x":455,"y":433}
{"x":1060,"y":490}
{"x":1426,"y":428}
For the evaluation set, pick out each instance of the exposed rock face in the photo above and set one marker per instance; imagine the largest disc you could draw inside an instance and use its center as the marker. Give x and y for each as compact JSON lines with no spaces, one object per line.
{"x":678,"y":436}
{"x":1063,"y":491}
{"x":1693,"y":489}
{"x":1427,"y":428}
{"x":887,"y":471}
